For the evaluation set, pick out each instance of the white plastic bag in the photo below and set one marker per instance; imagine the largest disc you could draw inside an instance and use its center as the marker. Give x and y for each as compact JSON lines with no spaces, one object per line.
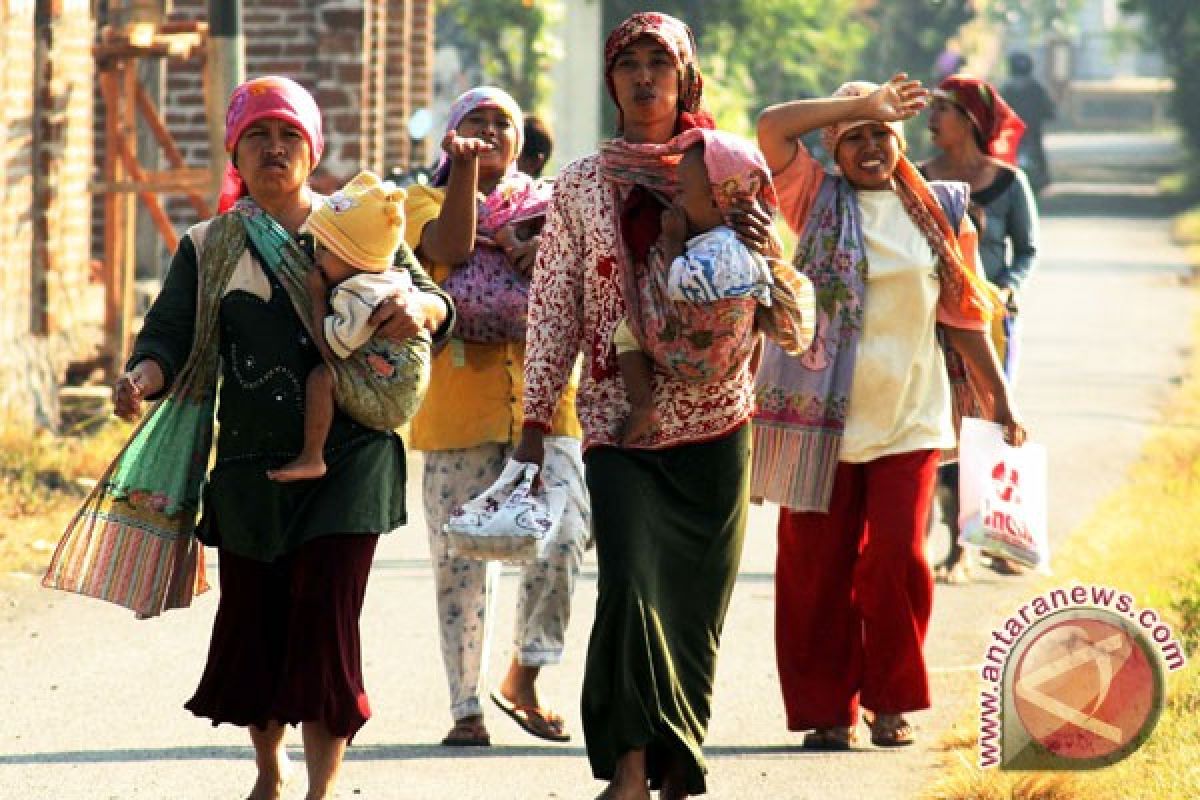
{"x":507,"y":522}
{"x":1002,"y":495}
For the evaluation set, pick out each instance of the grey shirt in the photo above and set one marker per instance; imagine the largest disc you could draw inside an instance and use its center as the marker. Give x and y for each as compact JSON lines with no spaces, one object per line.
{"x":1010,"y":216}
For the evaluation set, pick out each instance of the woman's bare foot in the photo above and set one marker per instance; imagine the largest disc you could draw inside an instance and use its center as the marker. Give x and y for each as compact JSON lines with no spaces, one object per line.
{"x":299,"y":469}
{"x":614,"y":792}
{"x":269,"y":784}
{"x":271,"y":761}
{"x":640,"y":424}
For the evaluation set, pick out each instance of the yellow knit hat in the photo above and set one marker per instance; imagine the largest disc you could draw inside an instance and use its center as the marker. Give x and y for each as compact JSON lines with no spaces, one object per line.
{"x":362,"y":223}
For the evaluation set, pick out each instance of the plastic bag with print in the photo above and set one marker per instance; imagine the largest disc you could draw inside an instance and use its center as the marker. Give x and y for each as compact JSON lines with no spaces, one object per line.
{"x":507,"y":522}
{"x":1002,"y":495}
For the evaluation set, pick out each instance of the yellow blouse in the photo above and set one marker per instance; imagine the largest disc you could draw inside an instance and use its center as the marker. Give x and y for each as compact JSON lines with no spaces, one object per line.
{"x":475,"y":392}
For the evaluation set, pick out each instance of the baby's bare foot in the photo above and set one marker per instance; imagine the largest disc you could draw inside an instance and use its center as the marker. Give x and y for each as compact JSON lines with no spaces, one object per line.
{"x":301,"y":469}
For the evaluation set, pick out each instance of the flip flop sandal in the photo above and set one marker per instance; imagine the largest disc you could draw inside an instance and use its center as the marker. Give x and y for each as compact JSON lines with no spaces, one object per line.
{"x":467,"y":734}
{"x":898,"y":734}
{"x":533,"y":720}
{"x":837,"y":739}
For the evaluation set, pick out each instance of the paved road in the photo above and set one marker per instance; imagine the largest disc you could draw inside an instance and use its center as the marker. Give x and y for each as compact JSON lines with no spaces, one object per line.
{"x":90,"y":699}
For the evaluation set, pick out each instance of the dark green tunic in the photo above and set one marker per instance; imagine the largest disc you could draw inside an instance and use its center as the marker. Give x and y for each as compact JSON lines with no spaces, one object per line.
{"x":266,"y":355}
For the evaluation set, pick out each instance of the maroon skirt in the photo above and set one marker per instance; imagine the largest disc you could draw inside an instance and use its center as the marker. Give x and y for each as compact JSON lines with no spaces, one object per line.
{"x":285,"y":641}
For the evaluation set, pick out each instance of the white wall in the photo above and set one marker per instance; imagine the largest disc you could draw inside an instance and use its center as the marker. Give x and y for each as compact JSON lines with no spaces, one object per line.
{"x":578,"y":82}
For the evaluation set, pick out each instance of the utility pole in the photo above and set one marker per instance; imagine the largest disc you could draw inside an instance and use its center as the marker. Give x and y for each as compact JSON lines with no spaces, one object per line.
{"x":224,"y":70}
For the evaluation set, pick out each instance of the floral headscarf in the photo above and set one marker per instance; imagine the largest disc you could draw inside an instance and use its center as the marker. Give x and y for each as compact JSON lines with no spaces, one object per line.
{"x":674,"y":35}
{"x":998,"y":125}
{"x":269,"y":97}
{"x":468,"y":101}
{"x":831,"y":135}
{"x":737,"y":170}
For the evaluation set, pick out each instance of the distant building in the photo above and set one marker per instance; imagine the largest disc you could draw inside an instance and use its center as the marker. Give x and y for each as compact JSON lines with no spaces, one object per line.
{"x":1100,"y":71}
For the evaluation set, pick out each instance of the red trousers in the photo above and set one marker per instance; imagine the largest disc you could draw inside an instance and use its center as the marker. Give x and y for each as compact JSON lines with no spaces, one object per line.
{"x":853,"y":595}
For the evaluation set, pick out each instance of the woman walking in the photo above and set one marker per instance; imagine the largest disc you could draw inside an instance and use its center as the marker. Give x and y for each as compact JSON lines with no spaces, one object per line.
{"x":476,"y":229}
{"x":294,"y":557}
{"x":978,"y":135}
{"x":848,"y":437}
{"x":668,"y":514}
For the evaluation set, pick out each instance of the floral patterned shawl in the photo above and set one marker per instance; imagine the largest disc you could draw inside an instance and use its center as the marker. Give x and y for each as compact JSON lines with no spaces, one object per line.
{"x":802,"y":402}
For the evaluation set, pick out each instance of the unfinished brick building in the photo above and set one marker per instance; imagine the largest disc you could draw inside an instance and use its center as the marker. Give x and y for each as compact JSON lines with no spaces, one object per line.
{"x":368,"y":62}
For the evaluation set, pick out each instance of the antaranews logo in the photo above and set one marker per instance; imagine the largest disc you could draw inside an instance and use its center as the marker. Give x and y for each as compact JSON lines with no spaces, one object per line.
{"x":1073,"y":680}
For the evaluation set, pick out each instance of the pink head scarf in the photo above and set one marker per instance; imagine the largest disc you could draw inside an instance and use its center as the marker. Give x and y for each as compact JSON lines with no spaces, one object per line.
{"x":269,"y":97}
{"x":468,"y":101}
{"x":831,"y":135}
{"x":736,"y":169}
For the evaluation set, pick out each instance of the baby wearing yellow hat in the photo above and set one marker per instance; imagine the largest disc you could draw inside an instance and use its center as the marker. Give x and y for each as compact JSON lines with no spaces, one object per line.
{"x":379,"y":383}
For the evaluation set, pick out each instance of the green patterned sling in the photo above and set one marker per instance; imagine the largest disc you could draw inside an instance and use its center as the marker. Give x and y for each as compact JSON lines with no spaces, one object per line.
{"x":132,"y":541}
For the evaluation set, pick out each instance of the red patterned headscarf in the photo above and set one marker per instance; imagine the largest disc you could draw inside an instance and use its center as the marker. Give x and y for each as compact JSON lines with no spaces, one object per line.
{"x":269,"y":97}
{"x":674,"y":35}
{"x":998,"y":125}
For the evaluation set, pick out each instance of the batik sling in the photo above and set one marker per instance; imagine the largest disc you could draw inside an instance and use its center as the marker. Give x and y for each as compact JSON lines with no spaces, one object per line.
{"x":131,"y":542}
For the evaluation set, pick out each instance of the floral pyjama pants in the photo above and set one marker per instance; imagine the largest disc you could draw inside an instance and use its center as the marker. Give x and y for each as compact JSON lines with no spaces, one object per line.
{"x":466,"y":587}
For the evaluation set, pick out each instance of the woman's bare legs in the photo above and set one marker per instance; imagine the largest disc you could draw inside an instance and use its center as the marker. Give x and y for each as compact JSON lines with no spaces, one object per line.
{"x":629,"y":779}
{"x":674,"y":782}
{"x":323,"y":753}
{"x":271,"y":760}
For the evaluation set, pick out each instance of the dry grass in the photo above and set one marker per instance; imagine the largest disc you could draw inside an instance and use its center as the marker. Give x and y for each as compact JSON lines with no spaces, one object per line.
{"x":42,"y":480}
{"x":1142,"y":540}
{"x":1186,"y":232}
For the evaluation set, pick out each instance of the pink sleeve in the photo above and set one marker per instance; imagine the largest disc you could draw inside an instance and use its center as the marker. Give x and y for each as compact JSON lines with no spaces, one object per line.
{"x":555,"y":305}
{"x":797,"y":185}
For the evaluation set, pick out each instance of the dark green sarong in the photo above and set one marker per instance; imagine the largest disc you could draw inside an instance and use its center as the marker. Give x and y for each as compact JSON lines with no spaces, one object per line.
{"x":668,"y":526}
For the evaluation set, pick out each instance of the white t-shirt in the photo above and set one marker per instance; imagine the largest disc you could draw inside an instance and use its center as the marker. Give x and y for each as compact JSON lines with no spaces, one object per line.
{"x":900,"y":398}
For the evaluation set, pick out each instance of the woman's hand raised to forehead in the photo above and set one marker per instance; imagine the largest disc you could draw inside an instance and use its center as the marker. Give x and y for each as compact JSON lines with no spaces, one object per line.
{"x":464,"y":148}
{"x":898,"y":99}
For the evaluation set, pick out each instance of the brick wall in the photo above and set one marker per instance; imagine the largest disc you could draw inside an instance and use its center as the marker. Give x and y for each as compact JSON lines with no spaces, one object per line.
{"x":16,"y":169}
{"x":63,"y":147}
{"x":362,"y":59}
{"x":47,"y":312}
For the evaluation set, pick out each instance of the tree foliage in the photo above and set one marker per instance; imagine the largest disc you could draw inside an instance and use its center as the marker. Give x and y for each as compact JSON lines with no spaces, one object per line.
{"x":758,"y":52}
{"x":1174,"y":27}
{"x":512,"y":42}
{"x":908,"y":35}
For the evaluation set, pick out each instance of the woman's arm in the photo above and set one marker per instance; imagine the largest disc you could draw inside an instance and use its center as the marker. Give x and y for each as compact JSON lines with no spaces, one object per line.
{"x":556,"y":312}
{"x":977,"y":350}
{"x":450,"y":239}
{"x":1022,"y":225}
{"x":165,"y":341}
{"x":780,"y":126}
{"x":405,"y":314}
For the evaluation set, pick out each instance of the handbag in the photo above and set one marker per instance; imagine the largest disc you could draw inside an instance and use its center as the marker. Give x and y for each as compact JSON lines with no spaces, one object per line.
{"x":490,"y":299}
{"x":132,"y":542}
{"x":1002,"y":495}
{"x":507,"y":522}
